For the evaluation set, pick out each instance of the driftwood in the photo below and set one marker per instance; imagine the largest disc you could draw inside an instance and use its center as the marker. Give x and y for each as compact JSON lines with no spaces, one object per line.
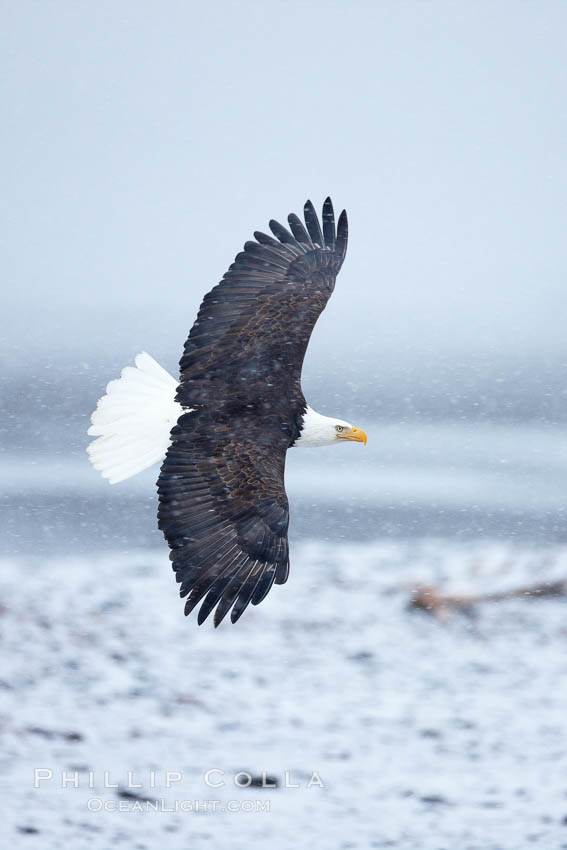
{"x":428,"y":598}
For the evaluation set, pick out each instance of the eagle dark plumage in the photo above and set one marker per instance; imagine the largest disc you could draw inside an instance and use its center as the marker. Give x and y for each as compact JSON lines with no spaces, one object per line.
{"x":237,"y":409}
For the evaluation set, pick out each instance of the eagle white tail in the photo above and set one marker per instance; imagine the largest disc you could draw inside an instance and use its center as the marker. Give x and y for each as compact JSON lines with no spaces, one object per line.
{"x":132,"y":422}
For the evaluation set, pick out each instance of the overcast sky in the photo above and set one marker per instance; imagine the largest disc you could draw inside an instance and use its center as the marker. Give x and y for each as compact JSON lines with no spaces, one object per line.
{"x":145,"y":141}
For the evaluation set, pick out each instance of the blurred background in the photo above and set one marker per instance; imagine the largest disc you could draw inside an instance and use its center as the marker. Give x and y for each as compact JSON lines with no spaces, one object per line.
{"x":144,"y":143}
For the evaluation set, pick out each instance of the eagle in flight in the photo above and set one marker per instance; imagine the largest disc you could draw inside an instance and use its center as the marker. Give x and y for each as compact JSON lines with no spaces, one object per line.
{"x":223,"y":430}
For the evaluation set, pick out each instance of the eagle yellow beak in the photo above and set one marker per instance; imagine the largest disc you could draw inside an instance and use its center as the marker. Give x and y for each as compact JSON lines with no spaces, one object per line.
{"x":355,"y":434}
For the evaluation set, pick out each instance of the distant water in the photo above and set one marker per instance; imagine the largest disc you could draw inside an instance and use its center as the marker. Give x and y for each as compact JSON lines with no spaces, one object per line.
{"x":452,"y":480}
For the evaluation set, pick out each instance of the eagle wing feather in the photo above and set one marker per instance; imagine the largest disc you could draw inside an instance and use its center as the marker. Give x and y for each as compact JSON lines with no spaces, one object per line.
{"x":222,"y":502}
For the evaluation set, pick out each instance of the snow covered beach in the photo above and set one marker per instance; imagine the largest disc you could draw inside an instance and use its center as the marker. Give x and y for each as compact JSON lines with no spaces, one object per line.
{"x":424,"y":733}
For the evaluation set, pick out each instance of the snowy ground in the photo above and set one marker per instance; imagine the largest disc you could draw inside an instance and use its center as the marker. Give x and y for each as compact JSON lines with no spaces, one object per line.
{"x":426,"y":734}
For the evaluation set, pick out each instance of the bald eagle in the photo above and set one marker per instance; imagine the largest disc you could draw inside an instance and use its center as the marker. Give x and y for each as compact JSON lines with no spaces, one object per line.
{"x":223,"y":430}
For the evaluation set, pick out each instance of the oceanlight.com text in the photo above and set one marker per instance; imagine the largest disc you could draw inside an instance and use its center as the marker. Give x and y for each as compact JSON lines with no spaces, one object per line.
{"x":97,"y":804}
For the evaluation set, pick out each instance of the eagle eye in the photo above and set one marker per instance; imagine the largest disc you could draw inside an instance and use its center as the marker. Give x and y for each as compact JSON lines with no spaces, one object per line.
{"x":339,"y":428}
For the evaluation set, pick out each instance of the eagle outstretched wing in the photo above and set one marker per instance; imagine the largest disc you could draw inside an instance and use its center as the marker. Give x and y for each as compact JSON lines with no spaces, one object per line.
{"x":222,"y":502}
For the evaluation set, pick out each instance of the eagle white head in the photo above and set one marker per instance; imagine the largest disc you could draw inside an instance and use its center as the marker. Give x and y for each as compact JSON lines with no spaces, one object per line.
{"x":319,"y":430}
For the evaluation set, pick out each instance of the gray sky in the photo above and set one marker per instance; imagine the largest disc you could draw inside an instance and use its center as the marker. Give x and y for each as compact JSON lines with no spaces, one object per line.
{"x":145,"y":141}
